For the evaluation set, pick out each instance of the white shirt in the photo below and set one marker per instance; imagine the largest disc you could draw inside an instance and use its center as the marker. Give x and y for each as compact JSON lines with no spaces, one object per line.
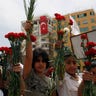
{"x":1,"y":93}
{"x":70,"y":85}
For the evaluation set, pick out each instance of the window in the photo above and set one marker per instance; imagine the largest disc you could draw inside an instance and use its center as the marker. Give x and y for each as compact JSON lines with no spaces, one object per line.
{"x":92,"y":13}
{"x":49,"y":21}
{"x":82,"y":15}
{"x":45,"y":45}
{"x":93,"y":27}
{"x":74,"y":17}
{"x":35,"y":22}
{"x":84,"y":29}
{"x":85,"y":22}
{"x":36,"y":33}
{"x":43,"y":39}
{"x":78,"y":22}
{"x":92,"y":20}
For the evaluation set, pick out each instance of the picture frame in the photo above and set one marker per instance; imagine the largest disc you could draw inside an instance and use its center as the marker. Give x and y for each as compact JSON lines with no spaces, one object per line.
{"x":76,"y":43}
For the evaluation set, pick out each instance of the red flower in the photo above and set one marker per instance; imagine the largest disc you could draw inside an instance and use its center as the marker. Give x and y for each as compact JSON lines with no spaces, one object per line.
{"x":91,"y":52}
{"x":49,"y":71}
{"x":57,"y":45}
{"x":6,"y":50}
{"x":59,"y":17}
{"x":12,"y":36}
{"x":70,"y":22}
{"x":90,"y":44}
{"x":22,"y":35}
{"x":33,"y":38}
{"x":87,"y":63}
{"x":60,"y":32}
{"x":84,"y":36}
{"x":9,"y":35}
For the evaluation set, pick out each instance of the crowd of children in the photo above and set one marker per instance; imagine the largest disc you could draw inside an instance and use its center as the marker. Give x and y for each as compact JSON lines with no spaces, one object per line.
{"x":36,"y":83}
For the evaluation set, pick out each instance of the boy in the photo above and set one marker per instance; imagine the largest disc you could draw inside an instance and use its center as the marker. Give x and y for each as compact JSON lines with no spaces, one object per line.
{"x":71,"y":79}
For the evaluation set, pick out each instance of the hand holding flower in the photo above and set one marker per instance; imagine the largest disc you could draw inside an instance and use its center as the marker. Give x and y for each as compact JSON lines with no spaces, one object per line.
{"x":87,"y":76}
{"x":28,"y":26}
{"x":17,"y":68}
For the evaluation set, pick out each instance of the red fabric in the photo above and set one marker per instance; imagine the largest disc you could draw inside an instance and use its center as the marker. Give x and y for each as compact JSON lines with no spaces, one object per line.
{"x":43,"y":25}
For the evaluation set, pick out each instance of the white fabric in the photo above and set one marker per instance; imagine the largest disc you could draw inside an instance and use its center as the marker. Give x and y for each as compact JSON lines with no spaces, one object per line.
{"x":75,"y":27}
{"x":21,"y":65}
{"x":1,"y":93}
{"x":70,"y":86}
{"x":76,"y":45}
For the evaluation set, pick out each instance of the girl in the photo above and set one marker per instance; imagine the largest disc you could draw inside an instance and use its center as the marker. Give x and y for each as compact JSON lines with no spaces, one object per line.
{"x":36,"y":63}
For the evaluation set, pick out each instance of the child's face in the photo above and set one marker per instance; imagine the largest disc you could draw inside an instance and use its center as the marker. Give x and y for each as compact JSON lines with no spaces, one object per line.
{"x":70,"y":65}
{"x":40,"y":66}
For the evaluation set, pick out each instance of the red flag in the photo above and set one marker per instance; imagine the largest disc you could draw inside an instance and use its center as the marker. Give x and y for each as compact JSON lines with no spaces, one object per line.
{"x":43,"y":25}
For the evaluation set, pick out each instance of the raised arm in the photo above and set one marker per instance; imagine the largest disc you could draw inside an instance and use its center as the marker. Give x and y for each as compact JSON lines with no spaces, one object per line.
{"x":87,"y":76}
{"x":29,"y":53}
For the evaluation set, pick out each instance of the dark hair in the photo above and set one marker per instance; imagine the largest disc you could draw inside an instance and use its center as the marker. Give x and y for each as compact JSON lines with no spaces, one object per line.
{"x":69,"y":55}
{"x":38,"y":52}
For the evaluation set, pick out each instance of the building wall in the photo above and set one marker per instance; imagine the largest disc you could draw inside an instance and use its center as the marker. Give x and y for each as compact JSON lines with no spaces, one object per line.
{"x":86,"y":20}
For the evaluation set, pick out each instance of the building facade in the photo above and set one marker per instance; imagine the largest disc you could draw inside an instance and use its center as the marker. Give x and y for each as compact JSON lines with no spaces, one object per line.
{"x":86,"y":20}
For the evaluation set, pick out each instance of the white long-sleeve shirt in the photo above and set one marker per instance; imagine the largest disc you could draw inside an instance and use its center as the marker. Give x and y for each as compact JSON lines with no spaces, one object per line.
{"x":70,"y":86}
{"x":1,"y":93}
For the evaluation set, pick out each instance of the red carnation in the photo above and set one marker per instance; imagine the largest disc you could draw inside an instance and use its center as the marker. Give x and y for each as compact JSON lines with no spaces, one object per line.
{"x":84,"y":36}
{"x":90,"y":44}
{"x":49,"y":71}
{"x":33,"y":38}
{"x":13,"y":36}
{"x":87,"y":63}
{"x":60,"y":32}
{"x":22,"y":34}
{"x":6,"y":50}
{"x":70,"y":22}
{"x":91,"y":52}
{"x":59,"y":17}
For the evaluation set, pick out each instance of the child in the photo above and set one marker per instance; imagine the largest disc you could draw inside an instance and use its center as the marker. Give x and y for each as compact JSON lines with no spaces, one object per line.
{"x":3,"y":89}
{"x":71,"y":80}
{"x":36,"y":63}
{"x":89,"y":76}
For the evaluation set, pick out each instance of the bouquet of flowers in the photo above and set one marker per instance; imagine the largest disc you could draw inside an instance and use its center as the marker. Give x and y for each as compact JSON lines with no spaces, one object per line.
{"x":15,"y":40}
{"x":90,"y":53}
{"x":5,"y":53}
{"x":60,"y":47}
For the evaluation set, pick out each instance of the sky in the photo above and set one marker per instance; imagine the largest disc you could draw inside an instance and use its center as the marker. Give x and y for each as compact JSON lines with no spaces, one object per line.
{"x":12,"y":12}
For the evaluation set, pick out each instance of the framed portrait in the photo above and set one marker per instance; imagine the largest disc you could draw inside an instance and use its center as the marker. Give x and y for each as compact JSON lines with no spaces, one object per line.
{"x":76,"y":43}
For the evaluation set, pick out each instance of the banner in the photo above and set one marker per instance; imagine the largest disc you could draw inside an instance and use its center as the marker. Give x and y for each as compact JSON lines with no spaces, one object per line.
{"x":75,"y":27}
{"x":43,"y":25}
